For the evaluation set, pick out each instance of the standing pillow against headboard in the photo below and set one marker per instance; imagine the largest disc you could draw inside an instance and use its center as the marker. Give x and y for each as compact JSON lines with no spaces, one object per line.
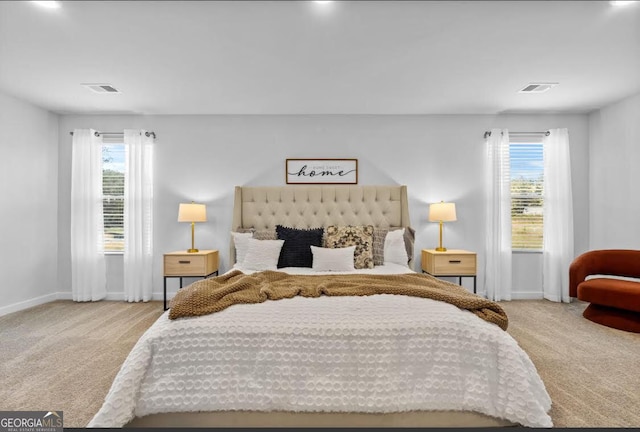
{"x":394,"y":249}
{"x":266,"y":234}
{"x":379,"y":237}
{"x":241,"y":241}
{"x":359,"y":236}
{"x":409,"y":240}
{"x":296,"y":251}
{"x":262,"y":254}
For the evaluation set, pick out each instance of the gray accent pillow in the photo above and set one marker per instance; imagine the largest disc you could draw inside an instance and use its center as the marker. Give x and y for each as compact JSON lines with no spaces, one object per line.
{"x":409,"y":240}
{"x":265,"y":234}
{"x":379,"y":234}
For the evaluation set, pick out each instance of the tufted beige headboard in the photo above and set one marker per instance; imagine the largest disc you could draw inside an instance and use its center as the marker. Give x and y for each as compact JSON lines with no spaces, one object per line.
{"x":319,"y":206}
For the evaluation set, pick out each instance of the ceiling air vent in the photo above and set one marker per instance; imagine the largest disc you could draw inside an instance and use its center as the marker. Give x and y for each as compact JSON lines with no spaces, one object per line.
{"x":537,"y":87}
{"x":101,"y":88}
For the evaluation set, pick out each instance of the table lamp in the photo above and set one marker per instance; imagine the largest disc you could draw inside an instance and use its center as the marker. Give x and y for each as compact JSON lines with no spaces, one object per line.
{"x":192,"y":213}
{"x":442,"y":212}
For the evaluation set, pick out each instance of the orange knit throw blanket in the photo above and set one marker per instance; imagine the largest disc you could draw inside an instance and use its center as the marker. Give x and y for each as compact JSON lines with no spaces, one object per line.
{"x":218,"y":293}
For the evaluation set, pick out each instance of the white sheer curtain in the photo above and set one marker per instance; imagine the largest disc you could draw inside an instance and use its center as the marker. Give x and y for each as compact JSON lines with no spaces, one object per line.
{"x":88,"y":272}
{"x":138,"y":220}
{"x":497,"y":274}
{"x":558,"y":216}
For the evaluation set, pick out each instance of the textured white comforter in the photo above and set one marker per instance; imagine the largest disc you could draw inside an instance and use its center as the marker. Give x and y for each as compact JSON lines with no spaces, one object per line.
{"x":381,"y":353}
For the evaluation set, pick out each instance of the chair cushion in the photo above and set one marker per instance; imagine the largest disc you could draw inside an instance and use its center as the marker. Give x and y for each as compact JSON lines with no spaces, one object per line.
{"x":622,"y":294}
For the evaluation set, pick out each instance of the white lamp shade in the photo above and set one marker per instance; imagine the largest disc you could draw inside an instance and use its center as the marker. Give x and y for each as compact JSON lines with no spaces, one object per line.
{"x":192,"y":213}
{"x":442,"y":212}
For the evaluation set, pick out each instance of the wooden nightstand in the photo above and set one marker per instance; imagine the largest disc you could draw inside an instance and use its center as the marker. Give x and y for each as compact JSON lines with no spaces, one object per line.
{"x":451,"y":263}
{"x":183,"y":264}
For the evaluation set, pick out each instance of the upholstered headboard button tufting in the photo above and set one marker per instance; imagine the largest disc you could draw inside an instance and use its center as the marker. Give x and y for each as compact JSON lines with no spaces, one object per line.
{"x":319,"y":206}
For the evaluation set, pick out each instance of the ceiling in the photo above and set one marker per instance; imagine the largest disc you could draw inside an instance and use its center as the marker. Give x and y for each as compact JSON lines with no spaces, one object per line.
{"x":302,"y":57}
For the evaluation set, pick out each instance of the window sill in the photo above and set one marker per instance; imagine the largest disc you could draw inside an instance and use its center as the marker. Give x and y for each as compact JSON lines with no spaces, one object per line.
{"x":114,"y":253}
{"x":527,"y":251}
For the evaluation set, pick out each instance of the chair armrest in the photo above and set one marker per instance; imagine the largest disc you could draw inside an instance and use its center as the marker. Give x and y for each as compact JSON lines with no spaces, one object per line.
{"x":578,"y":272}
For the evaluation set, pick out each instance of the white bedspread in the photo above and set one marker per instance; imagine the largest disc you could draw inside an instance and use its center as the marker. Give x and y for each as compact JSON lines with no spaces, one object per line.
{"x":381,"y":353}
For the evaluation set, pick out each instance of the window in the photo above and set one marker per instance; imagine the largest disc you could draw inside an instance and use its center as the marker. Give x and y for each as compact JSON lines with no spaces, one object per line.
{"x":113,"y":196}
{"x":527,"y":182}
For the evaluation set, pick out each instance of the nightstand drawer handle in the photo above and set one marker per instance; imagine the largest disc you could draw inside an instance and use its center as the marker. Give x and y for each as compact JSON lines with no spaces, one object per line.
{"x":454,"y":261}
{"x":184,"y":262}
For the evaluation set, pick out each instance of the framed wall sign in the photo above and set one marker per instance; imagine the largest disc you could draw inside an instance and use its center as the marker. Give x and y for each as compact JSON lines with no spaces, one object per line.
{"x":322,"y":171}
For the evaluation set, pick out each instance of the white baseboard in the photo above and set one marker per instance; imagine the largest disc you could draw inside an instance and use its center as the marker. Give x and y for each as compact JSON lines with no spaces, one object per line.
{"x":110,"y":296}
{"x":66,"y":295}
{"x":27,"y":304}
{"x":117,"y":296}
{"x":533,"y":295}
{"x":523,"y":295}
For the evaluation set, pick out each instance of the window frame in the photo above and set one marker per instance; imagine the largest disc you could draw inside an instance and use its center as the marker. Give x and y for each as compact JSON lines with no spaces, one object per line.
{"x":112,"y":142}
{"x":528,"y":140}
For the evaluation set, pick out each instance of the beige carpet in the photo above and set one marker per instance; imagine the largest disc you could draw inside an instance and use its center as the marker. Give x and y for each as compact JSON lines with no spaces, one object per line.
{"x":64,"y":356}
{"x":591,"y":372}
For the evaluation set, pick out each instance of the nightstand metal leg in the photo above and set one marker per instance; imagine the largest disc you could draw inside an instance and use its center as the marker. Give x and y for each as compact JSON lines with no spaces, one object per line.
{"x":165,"y":293}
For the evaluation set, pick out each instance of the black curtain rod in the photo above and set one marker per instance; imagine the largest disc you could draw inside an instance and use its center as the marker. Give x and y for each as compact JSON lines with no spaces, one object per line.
{"x":97,"y":133}
{"x":546,"y":133}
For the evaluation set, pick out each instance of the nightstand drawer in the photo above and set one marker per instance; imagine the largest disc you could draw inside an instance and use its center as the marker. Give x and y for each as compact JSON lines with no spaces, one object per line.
{"x":184,"y":265}
{"x":454,"y":264}
{"x":202,"y":263}
{"x":449,"y":263}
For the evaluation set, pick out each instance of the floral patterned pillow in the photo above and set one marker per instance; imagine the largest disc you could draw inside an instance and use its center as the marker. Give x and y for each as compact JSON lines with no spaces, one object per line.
{"x":359,"y":236}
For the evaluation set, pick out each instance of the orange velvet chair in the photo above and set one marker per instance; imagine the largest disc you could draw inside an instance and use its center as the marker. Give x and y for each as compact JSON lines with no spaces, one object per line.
{"x":614,"y":302}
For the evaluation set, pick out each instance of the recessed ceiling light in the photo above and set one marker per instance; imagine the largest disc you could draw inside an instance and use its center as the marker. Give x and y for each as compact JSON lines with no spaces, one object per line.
{"x":537,"y":87}
{"x":622,"y":2}
{"x":47,"y":4}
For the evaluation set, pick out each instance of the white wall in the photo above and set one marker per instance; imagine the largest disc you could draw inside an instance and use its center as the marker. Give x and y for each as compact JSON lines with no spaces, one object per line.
{"x":29,"y":214}
{"x":202,"y":158}
{"x":614,"y":177}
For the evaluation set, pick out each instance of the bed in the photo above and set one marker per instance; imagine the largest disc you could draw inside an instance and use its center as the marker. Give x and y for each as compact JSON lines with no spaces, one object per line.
{"x":372,"y":361}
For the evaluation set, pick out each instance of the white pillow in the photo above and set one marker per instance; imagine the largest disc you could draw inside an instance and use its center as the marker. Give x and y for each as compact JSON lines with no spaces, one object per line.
{"x":333,"y":259}
{"x":262,"y":254}
{"x":394,"y":248}
{"x":241,"y":241}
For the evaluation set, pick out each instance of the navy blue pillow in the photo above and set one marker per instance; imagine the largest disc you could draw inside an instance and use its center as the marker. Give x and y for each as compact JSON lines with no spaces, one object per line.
{"x":296,"y":250}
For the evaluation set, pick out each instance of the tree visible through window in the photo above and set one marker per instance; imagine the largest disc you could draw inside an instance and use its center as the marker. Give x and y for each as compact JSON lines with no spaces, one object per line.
{"x":527,"y":183}
{"x":113,"y":196}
